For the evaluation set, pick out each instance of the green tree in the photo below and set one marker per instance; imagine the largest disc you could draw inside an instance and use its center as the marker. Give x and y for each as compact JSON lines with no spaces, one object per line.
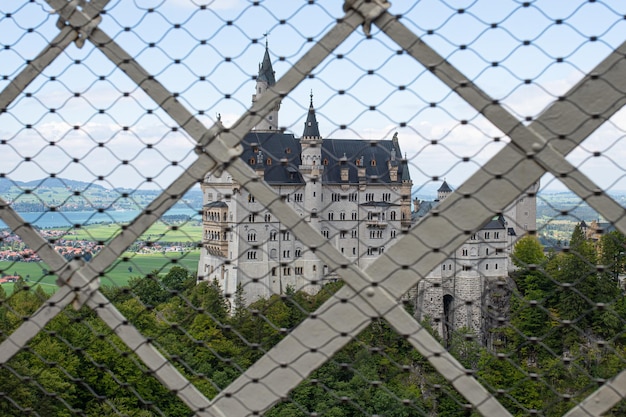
{"x":149,"y":289}
{"x":178,"y":280}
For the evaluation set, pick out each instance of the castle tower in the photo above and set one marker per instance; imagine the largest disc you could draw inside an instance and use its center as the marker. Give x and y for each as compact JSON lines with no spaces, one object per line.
{"x":264,"y":81}
{"x":311,"y":166}
{"x":405,"y":195}
{"x":443,"y":191}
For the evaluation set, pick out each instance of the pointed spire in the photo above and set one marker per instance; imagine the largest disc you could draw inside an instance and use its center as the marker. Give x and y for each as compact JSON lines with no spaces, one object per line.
{"x":445,"y":188}
{"x":406,"y":176}
{"x":310,"y":126}
{"x":266,"y":72}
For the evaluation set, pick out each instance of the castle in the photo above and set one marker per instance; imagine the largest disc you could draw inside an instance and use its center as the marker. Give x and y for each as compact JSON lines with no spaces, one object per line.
{"x":459,"y":293}
{"x":357,"y":194}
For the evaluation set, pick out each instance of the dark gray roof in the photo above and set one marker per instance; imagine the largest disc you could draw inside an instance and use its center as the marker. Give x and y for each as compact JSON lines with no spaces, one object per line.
{"x":266,"y":72}
{"x":310,"y":126}
{"x":606,"y":227}
{"x":495,"y":223}
{"x":379,"y":204}
{"x":216,"y":204}
{"x":281,"y":152}
{"x":445,"y":188}
{"x":277,"y":146}
{"x":425,"y":207}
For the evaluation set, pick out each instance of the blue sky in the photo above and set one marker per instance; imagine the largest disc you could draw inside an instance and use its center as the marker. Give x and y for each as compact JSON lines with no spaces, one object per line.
{"x":199,"y":46}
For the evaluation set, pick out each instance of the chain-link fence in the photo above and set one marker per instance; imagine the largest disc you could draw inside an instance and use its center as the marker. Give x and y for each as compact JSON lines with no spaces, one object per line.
{"x":420,"y":213}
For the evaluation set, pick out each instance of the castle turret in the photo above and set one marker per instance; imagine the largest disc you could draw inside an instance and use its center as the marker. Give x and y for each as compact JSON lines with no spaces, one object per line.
{"x":405,"y":194}
{"x":265,"y":80}
{"x":311,"y":166}
{"x":443,"y":191}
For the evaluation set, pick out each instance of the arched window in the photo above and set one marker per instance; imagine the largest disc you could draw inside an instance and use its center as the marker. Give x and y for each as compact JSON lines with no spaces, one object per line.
{"x":252,"y":161}
{"x":373,"y":162}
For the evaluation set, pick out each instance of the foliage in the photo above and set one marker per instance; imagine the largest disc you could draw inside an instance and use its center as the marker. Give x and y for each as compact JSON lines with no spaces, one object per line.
{"x":550,"y":346}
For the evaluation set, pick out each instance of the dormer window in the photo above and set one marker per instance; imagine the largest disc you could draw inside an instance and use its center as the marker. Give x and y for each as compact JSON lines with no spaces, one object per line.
{"x":373,"y":162}
{"x":358,"y":162}
{"x":287,"y":150}
{"x":252,"y":161}
{"x":325,"y":162}
{"x":268,"y":161}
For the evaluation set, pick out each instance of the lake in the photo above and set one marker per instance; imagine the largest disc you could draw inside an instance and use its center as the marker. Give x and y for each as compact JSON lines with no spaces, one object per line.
{"x":47,"y":220}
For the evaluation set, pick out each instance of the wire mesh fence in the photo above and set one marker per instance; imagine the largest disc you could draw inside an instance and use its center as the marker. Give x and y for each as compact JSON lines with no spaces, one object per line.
{"x":419,"y":214}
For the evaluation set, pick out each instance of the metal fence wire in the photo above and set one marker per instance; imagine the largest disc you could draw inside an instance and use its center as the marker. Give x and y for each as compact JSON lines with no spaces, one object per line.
{"x":384,"y":231}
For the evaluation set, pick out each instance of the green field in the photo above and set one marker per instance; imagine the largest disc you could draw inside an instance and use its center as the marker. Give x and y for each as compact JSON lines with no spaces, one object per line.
{"x":117,"y":275}
{"x":159,"y":232}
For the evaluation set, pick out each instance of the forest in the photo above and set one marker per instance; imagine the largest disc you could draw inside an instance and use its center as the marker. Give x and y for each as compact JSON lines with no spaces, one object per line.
{"x":563,"y":336}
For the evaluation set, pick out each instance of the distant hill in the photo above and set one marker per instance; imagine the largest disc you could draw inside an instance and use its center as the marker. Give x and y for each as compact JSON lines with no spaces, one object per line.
{"x":72,"y":195}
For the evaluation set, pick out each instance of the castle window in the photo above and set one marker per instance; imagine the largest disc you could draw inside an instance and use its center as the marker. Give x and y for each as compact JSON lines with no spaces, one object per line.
{"x":286,"y":235}
{"x":464,"y":252}
{"x":392,"y":215}
{"x":314,"y":268}
{"x":268,"y":218}
{"x":286,"y":254}
{"x":273,"y":253}
{"x":393,"y":234}
{"x":496,"y":235}
{"x":286,"y":271}
{"x":370,"y":251}
{"x":251,"y":254}
{"x":373,"y":163}
{"x":342,"y":215}
{"x":273,"y":235}
{"x":250,"y":198}
{"x":298,"y":253}
{"x":287,"y":150}
{"x":298,"y":270}
{"x":486,"y":235}
{"x":209,"y":197}
{"x":325,"y":233}
{"x":353,"y":232}
{"x":252,"y":237}
{"x":486,"y":266}
{"x":487,"y":252}
{"x":268,"y":161}
{"x":467,"y":268}
{"x":252,"y":161}
{"x":325,"y":162}
{"x":354,"y":215}
{"x":274,"y":271}
{"x":331,"y":216}
{"x":342,"y":234}
{"x":358,"y":162}
{"x":496,"y":266}
{"x":352,"y":197}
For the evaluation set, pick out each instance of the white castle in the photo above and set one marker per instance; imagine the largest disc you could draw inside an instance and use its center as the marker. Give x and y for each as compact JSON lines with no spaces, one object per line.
{"x":357,"y":194}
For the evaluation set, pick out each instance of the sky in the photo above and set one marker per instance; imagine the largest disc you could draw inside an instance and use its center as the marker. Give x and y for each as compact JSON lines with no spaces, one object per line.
{"x":208,"y":55}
